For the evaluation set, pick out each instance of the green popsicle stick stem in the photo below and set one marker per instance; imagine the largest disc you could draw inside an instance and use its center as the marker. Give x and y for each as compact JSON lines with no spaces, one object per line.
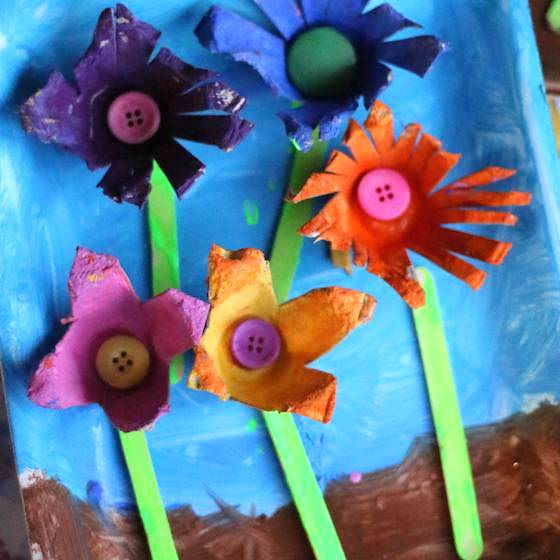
{"x":553,"y":15}
{"x":162,"y":222}
{"x":452,"y":441}
{"x":291,"y":453}
{"x":150,"y":506}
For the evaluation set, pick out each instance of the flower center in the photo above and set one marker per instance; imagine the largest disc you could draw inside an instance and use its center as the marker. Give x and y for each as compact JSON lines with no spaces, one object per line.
{"x":122,"y":361}
{"x":133,"y":117}
{"x":384,"y":194}
{"x":322,"y":62}
{"x":255,"y":344}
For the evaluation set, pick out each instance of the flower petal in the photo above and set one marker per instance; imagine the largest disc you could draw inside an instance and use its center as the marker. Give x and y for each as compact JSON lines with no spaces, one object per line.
{"x":284,"y":14}
{"x":179,"y":165}
{"x":320,"y":184}
{"x":437,"y":168}
{"x":328,"y":116}
{"x":135,"y":42}
{"x":207,"y":97}
{"x":452,"y":198}
{"x":463,"y":270}
{"x":377,"y":77}
{"x":224,"y":131}
{"x":399,"y":156}
{"x":427,"y":146}
{"x":66,"y":377}
{"x":395,"y":268}
{"x":342,"y":15}
{"x":416,"y":54}
{"x":172,"y":76}
{"x":98,"y":65}
{"x":99,"y":287}
{"x":360,"y":146}
{"x":103,"y":305}
{"x":314,"y":323}
{"x":473,"y":246}
{"x":379,"y":124}
{"x":382,"y":22}
{"x":139,"y":407}
{"x":55,"y":115}
{"x":308,"y":392}
{"x":461,"y":216}
{"x":483,"y":177}
{"x":222,"y":31}
{"x":176,"y":322}
{"x":128,"y":180}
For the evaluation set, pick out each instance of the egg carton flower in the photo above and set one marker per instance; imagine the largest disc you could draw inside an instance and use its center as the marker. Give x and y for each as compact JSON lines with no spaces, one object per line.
{"x":386,"y":201}
{"x":117,"y":350}
{"x":324,"y":53}
{"x":256,"y":351}
{"x":126,"y":110}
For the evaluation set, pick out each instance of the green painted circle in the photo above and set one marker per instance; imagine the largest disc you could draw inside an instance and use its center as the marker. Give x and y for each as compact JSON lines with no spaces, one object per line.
{"x":322,"y":63}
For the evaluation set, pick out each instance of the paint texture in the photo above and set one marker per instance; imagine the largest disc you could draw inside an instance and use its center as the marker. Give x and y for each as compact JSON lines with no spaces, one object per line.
{"x":484,"y":99}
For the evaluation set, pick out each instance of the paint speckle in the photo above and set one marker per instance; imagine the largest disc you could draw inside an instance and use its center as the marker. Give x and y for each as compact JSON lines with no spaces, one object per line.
{"x":355,"y":477}
{"x":252,"y":425}
{"x":271,"y":185}
{"x":40,"y":11}
{"x":251,"y":212}
{"x":3,"y":41}
{"x":30,"y":476}
{"x":36,"y":552}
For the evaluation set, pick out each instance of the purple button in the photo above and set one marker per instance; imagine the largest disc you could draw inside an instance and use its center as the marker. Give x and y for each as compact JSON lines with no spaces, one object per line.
{"x":384,"y":194}
{"x":133,"y":117}
{"x":255,"y":344}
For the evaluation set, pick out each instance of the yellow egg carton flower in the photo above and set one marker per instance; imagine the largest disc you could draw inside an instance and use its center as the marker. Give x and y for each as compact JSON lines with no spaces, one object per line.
{"x":256,"y":351}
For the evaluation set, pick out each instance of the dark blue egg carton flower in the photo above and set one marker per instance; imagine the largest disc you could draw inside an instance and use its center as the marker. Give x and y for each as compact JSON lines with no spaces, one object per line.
{"x":325,"y":55}
{"x":126,"y":110}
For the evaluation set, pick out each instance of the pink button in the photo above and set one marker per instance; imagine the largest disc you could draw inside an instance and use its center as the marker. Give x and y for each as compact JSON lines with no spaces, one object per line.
{"x":133,"y":117}
{"x":255,"y":344}
{"x":384,"y":194}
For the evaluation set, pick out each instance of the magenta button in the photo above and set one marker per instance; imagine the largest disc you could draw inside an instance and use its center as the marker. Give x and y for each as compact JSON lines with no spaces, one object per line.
{"x":255,"y":344}
{"x":384,"y":194}
{"x":133,"y":117}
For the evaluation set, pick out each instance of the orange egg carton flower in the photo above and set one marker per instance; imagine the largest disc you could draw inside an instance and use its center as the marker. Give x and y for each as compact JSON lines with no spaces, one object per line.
{"x":386,"y":201}
{"x":255,"y":351}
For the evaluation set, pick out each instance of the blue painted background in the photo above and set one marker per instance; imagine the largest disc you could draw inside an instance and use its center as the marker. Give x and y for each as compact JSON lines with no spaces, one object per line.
{"x":485,"y":99}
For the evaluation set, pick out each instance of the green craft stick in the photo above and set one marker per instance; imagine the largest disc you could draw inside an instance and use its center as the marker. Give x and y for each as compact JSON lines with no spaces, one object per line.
{"x":151,"y":508}
{"x":553,"y":15}
{"x":162,"y":222}
{"x":291,"y":453}
{"x":452,"y":441}
{"x":302,"y":483}
{"x":286,"y":249}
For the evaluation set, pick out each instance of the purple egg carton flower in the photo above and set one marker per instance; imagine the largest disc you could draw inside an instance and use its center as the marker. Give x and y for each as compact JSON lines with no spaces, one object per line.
{"x":269,"y":54}
{"x":104,"y":305}
{"x":117,"y":62}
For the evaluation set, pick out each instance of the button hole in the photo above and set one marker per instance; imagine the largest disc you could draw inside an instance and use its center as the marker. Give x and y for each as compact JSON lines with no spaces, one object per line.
{"x":382,"y":199}
{"x":251,"y":339}
{"x":121,"y":368}
{"x":137,"y":112}
{"x":130,"y":124}
{"x":129,"y":363}
{"x":387,"y":187}
{"x":390,"y":196}
{"x":251,"y":348}
{"x":261,"y":339}
{"x":139,"y":121}
{"x":378,"y":190}
{"x":259,"y":350}
{"x":129,"y":115}
{"x":123,"y":354}
{"x":115,"y":360}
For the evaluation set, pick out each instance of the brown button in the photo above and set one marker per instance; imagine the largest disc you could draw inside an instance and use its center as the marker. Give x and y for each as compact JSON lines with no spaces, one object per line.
{"x":122,"y":361}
